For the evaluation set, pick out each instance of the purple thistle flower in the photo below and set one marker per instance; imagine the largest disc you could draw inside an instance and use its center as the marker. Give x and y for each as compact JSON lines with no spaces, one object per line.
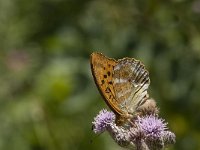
{"x":105,"y":121}
{"x":102,"y":121}
{"x":153,"y":131}
{"x":151,"y":126}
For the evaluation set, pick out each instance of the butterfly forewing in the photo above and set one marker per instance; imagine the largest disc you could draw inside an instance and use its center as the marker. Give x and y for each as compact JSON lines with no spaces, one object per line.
{"x":102,"y":70}
{"x":130,"y":81}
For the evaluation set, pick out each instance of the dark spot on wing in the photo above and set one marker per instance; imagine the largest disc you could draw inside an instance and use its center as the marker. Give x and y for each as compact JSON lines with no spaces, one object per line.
{"x":108,"y":73}
{"x":102,"y":81}
{"x":110,"y":82}
{"x":105,"y":76}
{"x":108,"y":65}
{"x":107,"y":90}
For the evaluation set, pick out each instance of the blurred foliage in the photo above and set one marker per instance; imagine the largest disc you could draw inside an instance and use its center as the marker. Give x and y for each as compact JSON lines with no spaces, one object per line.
{"x":48,"y":98}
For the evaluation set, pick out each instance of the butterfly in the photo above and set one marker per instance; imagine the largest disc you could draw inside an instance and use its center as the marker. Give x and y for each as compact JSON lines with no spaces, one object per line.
{"x":123,"y":84}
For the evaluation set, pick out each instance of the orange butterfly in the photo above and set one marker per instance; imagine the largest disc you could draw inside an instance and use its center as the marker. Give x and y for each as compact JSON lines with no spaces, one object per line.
{"x":123,"y":84}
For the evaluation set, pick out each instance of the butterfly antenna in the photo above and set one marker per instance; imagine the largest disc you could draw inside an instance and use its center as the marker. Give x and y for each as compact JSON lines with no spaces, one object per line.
{"x":91,"y":140}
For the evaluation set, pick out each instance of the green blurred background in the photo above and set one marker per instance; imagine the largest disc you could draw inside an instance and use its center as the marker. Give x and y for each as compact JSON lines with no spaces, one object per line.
{"x":47,"y":95}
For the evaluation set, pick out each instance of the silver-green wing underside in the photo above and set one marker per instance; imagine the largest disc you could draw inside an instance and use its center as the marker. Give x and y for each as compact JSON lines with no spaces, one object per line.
{"x":130,"y":82}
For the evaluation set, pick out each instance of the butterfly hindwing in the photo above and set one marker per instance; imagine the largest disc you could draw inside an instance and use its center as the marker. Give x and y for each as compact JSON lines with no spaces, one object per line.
{"x":130,"y":81}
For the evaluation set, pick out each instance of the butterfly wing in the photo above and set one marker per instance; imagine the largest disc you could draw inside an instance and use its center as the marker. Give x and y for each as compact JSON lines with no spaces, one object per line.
{"x":130,"y":81}
{"x":102,"y":70}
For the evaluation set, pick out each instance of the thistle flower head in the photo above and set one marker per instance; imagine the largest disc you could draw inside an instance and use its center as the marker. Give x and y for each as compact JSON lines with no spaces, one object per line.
{"x":151,"y":126}
{"x":153,"y":131}
{"x":148,"y":108}
{"x":102,"y":121}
